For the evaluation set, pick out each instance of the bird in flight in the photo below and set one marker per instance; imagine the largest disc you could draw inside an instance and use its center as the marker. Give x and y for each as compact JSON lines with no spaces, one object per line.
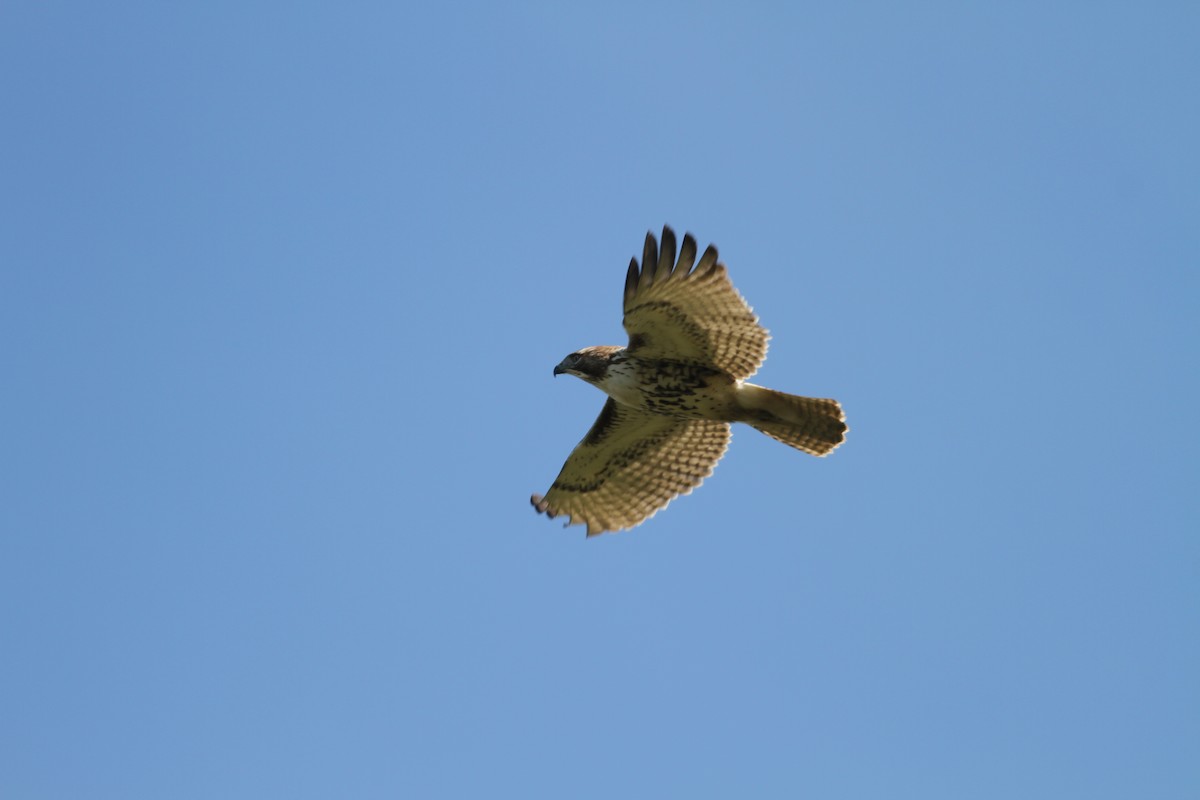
{"x":673,"y":392}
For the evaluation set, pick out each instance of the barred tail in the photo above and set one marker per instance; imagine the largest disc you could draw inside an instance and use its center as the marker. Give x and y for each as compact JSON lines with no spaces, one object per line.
{"x":810,"y":424}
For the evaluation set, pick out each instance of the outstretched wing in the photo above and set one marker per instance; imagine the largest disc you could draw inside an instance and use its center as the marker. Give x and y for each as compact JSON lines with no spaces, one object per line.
{"x":679,"y":313}
{"x":631,"y":464}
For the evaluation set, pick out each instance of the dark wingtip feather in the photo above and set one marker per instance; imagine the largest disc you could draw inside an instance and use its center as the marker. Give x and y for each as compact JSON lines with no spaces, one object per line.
{"x":666,"y":255}
{"x":707,"y":261}
{"x":687,"y":256}
{"x":631,"y":280}
{"x":649,"y":257}
{"x":541,"y":506}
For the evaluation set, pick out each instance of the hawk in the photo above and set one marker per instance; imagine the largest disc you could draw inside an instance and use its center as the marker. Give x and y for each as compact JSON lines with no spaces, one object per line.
{"x":673,"y":392}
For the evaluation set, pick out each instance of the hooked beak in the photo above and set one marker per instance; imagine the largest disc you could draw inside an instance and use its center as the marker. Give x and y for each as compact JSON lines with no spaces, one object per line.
{"x":559,"y":370}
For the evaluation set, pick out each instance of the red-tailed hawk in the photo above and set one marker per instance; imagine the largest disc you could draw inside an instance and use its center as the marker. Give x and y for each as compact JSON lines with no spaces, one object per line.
{"x":672,"y":393}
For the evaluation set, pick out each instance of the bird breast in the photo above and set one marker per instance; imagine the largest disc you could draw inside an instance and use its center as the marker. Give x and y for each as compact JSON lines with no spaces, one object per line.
{"x":670,"y":387}
{"x":621,"y":383}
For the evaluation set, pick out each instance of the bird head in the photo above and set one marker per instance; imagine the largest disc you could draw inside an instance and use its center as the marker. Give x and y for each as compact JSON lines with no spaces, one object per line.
{"x":589,"y":364}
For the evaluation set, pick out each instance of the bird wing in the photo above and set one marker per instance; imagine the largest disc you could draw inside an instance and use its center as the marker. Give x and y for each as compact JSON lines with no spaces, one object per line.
{"x":676,"y":312}
{"x":630,"y":465}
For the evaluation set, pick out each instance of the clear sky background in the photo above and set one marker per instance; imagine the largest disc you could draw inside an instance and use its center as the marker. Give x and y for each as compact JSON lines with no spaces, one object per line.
{"x":281,"y":290}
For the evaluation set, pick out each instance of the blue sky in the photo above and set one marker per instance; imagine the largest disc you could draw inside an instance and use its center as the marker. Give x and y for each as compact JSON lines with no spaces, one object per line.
{"x":281,"y":290}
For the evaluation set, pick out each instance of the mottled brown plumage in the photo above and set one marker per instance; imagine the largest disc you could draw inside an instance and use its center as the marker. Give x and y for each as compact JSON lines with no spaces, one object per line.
{"x":673,"y":392}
